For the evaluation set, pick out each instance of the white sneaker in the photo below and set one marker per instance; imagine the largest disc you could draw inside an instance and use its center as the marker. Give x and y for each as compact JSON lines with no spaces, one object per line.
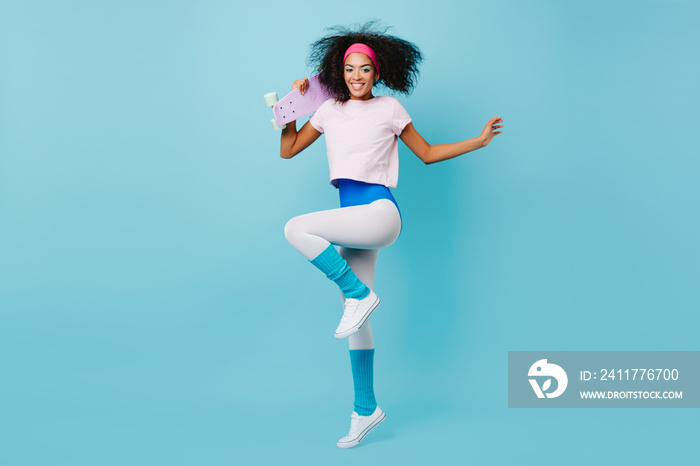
{"x":355,"y":314}
{"x":361,"y":426}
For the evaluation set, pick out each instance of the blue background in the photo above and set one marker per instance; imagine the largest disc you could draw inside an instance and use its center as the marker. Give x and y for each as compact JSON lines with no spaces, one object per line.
{"x":152,"y":311}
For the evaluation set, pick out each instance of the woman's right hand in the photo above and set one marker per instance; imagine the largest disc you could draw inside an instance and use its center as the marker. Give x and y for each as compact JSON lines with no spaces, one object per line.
{"x":301,"y":84}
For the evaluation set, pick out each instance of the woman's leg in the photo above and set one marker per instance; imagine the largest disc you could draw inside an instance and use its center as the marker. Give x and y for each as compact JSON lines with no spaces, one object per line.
{"x":366,"y":414}
{"x":363,"y":262}
{"x":369,"y":226}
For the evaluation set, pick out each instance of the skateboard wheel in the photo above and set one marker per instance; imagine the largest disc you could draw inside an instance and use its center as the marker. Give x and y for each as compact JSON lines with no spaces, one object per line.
{"x":275,"y":127}
{"x":271,"y":99}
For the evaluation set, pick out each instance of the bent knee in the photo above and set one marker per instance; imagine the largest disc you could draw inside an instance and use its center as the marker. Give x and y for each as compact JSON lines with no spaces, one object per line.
{"x":297,"y":228}
{"x":291,"y":229}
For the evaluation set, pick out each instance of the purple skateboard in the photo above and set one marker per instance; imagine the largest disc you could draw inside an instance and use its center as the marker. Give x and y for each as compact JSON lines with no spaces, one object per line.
{"x":294,"y":105}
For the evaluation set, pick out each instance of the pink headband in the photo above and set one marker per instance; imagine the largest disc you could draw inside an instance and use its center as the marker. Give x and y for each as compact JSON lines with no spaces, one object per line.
{"x":362,"y":48}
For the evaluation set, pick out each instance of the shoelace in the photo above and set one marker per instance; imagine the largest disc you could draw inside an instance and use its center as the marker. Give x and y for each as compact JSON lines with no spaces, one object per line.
{"x":351,"y":305}
{"x":354,"y":423}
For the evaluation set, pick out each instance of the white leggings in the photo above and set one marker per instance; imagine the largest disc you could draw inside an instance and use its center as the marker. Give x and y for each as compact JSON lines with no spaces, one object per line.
{"x":360,"y":231}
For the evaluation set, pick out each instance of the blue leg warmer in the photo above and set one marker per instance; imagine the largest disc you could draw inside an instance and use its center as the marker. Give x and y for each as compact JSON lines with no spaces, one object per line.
{"x":337,"y":269}
{"x":362,"y":376}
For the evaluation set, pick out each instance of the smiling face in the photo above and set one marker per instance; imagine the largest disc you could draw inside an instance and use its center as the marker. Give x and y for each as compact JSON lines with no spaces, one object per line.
{"x":359,"y":76}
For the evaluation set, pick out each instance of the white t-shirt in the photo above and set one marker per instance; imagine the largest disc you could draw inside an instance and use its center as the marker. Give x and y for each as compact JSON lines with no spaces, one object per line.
{"x":361,"y":138}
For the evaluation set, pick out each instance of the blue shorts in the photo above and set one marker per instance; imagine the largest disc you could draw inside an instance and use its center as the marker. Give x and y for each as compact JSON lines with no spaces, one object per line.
{"x":353,"y":192}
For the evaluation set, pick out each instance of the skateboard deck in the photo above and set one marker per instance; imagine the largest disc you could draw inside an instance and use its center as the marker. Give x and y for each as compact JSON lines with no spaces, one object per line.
{"x":294,"y":105}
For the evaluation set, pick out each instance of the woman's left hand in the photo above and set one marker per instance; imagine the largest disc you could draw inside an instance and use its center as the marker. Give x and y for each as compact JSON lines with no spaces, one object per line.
{"x":489,"y":130}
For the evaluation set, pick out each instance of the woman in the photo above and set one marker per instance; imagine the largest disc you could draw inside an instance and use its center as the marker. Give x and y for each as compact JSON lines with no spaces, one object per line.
{"x":361,"y":140}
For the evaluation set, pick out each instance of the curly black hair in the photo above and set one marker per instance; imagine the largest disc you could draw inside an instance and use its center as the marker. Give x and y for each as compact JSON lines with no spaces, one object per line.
{"x":397,"y":59}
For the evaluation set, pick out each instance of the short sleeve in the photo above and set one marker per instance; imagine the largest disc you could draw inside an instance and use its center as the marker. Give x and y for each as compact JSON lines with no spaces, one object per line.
{"x":316,"y":119}
{"x":401,"y":118}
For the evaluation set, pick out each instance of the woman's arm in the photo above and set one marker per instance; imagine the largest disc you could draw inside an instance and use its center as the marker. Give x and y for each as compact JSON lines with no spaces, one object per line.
{"x":293,"y":142}
{"x":438,"y":152}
